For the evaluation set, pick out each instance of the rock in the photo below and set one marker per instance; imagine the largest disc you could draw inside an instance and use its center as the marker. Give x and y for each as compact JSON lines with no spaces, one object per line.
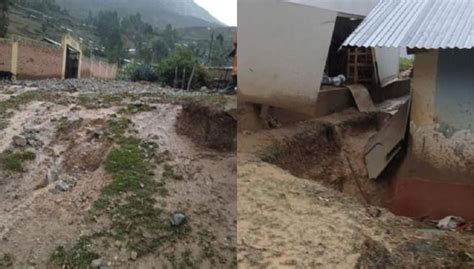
{"x":133,"y":256}
{"x":20,"y":141}
{"x":65,"y":184}
{"x":204,"y":89}
{"x":178,"y":219}
{"x":137,"y":103}
{"x":97,"y":263}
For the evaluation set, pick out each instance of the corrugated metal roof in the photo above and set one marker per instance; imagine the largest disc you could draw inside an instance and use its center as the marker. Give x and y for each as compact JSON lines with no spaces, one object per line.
{"x":423,"y":24}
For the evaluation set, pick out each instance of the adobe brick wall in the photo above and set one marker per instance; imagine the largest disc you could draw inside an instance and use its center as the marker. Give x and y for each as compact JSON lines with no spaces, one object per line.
{"x":39,"y":62}
{"x":99,"y":69}
{"x":5,"y":55}
{"x":85,"y":67}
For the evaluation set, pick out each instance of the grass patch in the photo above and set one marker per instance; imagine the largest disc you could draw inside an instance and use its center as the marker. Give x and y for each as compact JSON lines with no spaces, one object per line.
{"x":13,"y":161}
{"x":66,"y":127}
{"x":95,"y":101}
{"x":137,"y":108}
{"x":128,"y":199}
{"x":79,"y":256}
{"x":406,"y":64}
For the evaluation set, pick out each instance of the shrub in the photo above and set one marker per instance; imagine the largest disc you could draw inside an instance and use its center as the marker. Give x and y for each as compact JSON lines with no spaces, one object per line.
{"x":182,"y":58}
{"x":144,"y":72}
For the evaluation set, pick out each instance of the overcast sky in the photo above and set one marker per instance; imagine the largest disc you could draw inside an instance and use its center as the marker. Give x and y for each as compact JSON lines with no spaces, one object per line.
{"x":223,"y":10}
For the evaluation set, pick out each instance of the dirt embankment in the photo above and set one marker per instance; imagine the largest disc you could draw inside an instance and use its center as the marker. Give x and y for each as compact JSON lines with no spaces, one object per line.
{"x":208,"y":126}
{"x":288,"y":217}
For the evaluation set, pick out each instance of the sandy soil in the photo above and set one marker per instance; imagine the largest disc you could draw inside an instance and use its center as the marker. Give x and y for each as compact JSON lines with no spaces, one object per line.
{"x":297,"y":218}
{"x":35,"y":219}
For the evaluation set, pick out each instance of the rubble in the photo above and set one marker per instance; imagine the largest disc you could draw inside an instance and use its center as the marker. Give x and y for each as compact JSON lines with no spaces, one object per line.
{"x":65,"y":184}
{"x":178,"y":219}
{"x":20,"y":141}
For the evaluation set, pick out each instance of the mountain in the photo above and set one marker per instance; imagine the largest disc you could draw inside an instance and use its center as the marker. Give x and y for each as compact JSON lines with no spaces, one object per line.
{"x":159,"y":13}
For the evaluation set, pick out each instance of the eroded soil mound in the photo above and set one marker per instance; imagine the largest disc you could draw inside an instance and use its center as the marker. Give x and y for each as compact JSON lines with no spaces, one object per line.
{"x":208,"y":127}
{"x":312,"y":153}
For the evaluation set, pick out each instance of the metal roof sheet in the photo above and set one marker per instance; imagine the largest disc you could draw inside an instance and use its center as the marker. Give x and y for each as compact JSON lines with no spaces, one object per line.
{"x":423,"y":24}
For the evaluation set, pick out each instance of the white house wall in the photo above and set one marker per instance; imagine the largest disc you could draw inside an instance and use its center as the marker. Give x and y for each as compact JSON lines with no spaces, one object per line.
{"x":388,"y":63}
{"x":355,"y":7}
{"x":282,"y":53}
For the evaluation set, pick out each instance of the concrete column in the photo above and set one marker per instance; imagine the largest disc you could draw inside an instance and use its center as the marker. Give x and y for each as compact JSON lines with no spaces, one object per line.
{"x":14,"y":60}
{"x":424,"y":88}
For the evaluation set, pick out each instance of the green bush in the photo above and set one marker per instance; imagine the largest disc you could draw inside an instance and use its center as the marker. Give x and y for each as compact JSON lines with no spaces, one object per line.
{"x":182,"y":58}
{"x":138,"y":72}
{"x":144,"y":72}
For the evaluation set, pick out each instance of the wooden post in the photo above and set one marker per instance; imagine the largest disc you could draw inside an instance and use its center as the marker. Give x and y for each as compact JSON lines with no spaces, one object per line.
{"x":175,"y":81}
{"x":191,"y":78}
{"x":183,"y":82}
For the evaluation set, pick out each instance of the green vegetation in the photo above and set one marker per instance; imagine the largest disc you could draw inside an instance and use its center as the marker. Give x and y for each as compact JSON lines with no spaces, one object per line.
{"x":13,"y":161}
{"x":128,"y":200}
{"x":109,"y":30}
{"x":405,"y":64}
{"x":65,"y":126}
{"x":80,"y":256}
{"x":182,"y":60}
{"x":129,"y":197}
{"x":4,"y":20}
{"x":144,"y":72}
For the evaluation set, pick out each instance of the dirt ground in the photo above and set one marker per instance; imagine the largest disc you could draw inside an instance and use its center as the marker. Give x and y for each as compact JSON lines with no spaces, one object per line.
{"x":48,"y":202}
{"x":302,"y":203}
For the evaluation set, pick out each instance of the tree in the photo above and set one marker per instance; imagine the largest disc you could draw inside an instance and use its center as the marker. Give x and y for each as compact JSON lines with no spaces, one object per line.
{"x":160,"y":50}
{"x":170,"y":36}
{"x":4,"y":6}
{"x":109,"y":31}
{"x":180,"y":59}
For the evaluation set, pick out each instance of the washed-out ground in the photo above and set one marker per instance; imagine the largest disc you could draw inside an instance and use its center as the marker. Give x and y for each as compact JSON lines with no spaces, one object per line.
{"x":92,"y":172}
{"x":305,"y":201}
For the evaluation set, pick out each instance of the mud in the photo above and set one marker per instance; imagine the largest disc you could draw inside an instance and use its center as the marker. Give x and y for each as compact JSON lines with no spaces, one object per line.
{"x":35,"y":218}
{"x":208,"y":127}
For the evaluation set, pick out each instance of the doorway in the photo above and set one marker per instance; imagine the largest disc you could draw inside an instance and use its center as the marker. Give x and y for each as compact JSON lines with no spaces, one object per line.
{"x":72,"y":63}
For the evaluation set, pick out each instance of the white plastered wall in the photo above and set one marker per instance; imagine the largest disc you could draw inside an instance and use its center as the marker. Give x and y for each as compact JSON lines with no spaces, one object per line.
{"x":282,"y":53}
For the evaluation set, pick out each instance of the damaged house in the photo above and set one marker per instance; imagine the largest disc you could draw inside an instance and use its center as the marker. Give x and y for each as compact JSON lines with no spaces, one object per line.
{"x":321,"y":57}
{"x":437,"y":176}
{"x":302,"y":68}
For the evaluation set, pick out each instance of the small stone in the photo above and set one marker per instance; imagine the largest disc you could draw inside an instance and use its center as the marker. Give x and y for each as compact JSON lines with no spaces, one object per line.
{"x":65,"y":184}
{"x":178,"y":219}
{"x":133,"y":256}
{"x":20,"y":141}
{"x":96,"y":264}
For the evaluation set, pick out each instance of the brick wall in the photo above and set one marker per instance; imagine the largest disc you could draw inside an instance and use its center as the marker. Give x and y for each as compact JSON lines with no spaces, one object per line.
{"x":85,"y":67}
{"x":98,"y":69}
{"x":5,"y":55}
{"x":39,"y":62}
